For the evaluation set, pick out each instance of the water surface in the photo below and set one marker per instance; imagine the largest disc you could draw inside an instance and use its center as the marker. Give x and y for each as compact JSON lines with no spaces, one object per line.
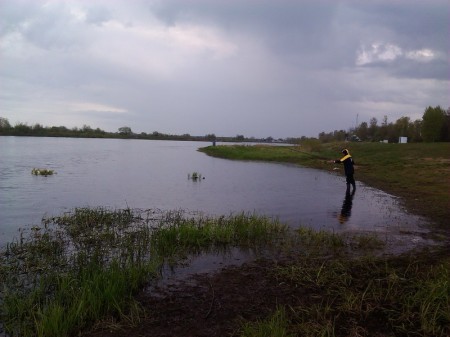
{"x":154,"y":175}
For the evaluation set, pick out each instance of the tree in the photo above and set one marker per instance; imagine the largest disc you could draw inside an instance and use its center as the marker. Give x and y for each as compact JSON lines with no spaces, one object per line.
{"x":22,"y":129}
{"x":416,"y":128}
{"x":125,"y":130}
{"x":363,"y":131}
{"x":433,"y":124}
{"x":87,"y":128}
{"x":339,"y":135}
{"x":447,"y":126}
{"x":38,"y":129}
{"x":4,"y":123}
{"x":373,"y":128}
{"x":402,"y":127}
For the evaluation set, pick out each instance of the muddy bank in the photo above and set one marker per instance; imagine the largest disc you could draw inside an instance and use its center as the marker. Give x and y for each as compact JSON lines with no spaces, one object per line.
{"x":209,"y":304}
{"x":214,"y":295}
{"x":218,"y":304}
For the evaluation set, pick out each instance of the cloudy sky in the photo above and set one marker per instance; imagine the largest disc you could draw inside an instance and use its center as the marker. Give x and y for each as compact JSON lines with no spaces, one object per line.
{"x":259,"y":68}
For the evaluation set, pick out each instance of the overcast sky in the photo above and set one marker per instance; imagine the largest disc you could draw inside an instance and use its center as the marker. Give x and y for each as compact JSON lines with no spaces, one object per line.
{"x":255,"y":68}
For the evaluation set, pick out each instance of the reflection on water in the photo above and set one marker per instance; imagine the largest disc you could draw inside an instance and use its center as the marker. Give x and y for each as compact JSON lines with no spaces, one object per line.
{"x":346,"y":209}
{"x":154,"y":175}
{"x":199,"y":264}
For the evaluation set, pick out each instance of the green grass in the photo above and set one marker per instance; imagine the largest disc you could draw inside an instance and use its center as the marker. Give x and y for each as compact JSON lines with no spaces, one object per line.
{"x":201,"y":235}
{"x":338,"y":299}
{"x":41,"y":172}
{"x":276,"y":325}
{"x":419,"y":173}
{"x":337,"y":293}
{"x":89,"y":263}
{"x":387,"y":296}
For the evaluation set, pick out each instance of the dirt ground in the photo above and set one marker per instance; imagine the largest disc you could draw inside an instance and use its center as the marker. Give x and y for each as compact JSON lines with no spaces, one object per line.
{"x":217,"y":303}
{"x":209,"y":304}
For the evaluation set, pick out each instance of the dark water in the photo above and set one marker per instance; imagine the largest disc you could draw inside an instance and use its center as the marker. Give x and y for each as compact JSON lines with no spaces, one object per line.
{"x":154,"y":174}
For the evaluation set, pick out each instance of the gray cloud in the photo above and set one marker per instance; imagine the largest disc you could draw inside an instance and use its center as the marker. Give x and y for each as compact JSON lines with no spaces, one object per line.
{"x":279,"y":69}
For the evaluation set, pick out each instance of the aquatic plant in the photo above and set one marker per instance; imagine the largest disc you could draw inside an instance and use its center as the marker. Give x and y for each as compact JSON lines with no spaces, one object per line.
{"x":85,"y":264}
{"x":195,"y":176}
{"x":59,"y":278}
{"x":42,"y":172}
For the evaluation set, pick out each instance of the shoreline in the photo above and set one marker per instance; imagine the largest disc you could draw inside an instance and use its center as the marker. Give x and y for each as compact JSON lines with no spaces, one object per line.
{"x":421,"y":184}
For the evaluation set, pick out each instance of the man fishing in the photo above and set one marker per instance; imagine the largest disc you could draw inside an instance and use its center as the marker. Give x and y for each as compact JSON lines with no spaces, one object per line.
{"x":347,"y":160}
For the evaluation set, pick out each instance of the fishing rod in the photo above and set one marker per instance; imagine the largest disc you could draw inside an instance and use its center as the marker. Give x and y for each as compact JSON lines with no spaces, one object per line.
{"x":320,"y":157}
{"x":310,"y":154}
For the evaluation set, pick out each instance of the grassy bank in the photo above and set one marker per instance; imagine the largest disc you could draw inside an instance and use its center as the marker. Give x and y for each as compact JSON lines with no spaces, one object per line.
{"x":419,"y":173}
{"x":367,"y":296}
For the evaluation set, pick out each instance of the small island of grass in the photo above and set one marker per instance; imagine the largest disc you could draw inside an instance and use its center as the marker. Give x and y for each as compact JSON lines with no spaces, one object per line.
{"x":42,"y":172}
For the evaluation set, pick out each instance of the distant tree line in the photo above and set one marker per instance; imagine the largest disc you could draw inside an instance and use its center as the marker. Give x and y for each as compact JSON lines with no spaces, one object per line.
{"x":433,"y":127}
{"x":124,"y":132}
{"x":38,"y":130}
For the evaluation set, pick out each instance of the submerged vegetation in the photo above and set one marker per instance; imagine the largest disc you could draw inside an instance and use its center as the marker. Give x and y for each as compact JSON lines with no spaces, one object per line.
{"x":195,"y":176}
{"x":62,"y":277}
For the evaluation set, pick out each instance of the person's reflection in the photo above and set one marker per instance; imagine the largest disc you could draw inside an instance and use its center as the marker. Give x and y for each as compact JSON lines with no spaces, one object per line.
{"x":346,"y":209}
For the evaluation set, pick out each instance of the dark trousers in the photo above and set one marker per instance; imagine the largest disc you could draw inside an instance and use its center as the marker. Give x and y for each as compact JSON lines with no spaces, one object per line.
{"x":350,"y":181}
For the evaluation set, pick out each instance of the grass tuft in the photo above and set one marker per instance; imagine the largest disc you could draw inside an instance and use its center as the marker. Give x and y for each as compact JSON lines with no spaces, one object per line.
{"x":276,"y":325}
{"x":389,"y":296}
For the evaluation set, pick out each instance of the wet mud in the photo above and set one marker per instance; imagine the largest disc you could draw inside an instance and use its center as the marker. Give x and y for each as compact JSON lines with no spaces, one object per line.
{"x":213,"y":294}
{"x":209,"y":304}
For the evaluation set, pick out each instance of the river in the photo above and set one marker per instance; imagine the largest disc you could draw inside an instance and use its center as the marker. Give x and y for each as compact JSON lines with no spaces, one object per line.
{"x":148,"y":174}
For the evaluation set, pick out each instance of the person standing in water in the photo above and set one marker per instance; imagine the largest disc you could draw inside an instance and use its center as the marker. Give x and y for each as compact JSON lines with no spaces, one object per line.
{"x":349,"y":170}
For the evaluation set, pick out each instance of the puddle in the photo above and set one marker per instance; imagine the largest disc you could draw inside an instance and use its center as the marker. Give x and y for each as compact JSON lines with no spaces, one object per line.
{"x":396,"y":241}
{"x":199,"y":264}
